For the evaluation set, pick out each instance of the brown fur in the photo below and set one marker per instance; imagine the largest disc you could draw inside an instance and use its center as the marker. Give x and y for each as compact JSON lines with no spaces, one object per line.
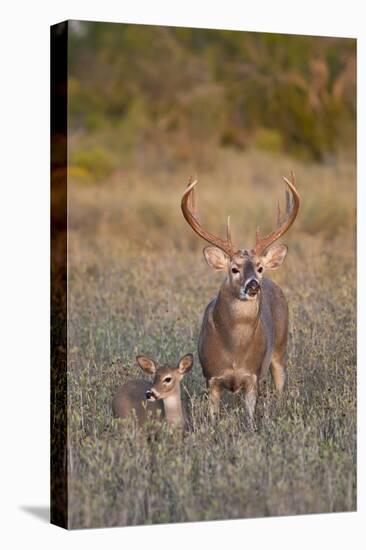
{"x":241,"y":338}
{"x":165,"y":400}
{"x":244,"y":329}
{"x":131,"y":397}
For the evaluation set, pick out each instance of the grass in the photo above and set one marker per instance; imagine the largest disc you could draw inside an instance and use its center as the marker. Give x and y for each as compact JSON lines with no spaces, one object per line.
{"x":138,"y":284}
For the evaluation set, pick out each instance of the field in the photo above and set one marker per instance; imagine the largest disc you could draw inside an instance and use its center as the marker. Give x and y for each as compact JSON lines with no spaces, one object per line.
{"x":138,"y":283}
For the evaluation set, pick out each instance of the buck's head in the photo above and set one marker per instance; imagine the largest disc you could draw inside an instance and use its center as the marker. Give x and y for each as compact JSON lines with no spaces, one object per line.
{"x":166,"y":378}
{"x":244,"y":267}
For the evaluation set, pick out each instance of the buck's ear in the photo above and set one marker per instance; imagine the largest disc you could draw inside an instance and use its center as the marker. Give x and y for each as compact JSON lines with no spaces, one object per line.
{"x":185,"y":363}
{"x":274,"y":257}
{"x":216,"y":258}
{"x":147,"y":365}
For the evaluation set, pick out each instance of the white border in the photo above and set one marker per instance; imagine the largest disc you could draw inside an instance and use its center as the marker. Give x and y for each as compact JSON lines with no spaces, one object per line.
{"x":24,"y":271}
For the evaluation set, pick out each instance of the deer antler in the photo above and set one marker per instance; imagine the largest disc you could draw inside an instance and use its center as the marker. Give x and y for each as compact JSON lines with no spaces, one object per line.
{"x":189,"y":209}
{"x":292,"y":208}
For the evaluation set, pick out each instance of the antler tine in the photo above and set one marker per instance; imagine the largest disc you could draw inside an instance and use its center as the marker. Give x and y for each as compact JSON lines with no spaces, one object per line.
{"x":293,"y":178}
{"x":257,"y":235}
{"x":228,"y":230}
{"x":193,"y":197}
{"x":189,"y":210}
{"x":278,"y":214}
{"x":288,"y":202}
{"x":292,"y":208}
{"x":289,"y":198}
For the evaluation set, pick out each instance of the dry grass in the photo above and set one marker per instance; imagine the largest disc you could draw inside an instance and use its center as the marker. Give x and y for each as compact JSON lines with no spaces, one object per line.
{"x":138,"y":283}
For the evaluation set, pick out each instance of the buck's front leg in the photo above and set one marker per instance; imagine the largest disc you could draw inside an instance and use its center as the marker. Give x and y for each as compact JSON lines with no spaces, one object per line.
{"x":214,"y":395}
{"x":251,"y":393}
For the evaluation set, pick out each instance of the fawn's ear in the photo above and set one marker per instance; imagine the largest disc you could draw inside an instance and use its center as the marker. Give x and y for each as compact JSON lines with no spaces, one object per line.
{"x":216,"y":258}
{"x":147,"y":365}
{"x":274,"y":257}
{"x":185,"y":363}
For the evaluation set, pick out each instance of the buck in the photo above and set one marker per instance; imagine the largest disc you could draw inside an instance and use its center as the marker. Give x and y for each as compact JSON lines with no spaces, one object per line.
{"x":244,"y":328}
{"x":161,"y":399}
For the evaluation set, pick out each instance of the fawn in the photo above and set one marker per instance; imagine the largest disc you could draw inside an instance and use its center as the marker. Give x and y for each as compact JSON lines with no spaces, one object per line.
{"x":161,"y":397}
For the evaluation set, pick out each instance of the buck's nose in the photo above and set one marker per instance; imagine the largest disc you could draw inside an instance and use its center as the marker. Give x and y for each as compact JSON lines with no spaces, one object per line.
{"x":148,"y":394}
{"x":252,"y":287}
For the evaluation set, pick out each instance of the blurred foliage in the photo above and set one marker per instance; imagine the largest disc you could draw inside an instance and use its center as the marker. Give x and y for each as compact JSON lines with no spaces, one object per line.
{"x":179,"y":92}
{"x":95,"y":162}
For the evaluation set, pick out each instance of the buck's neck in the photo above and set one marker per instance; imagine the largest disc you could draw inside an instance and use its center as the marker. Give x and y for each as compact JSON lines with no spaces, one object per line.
{"x":173,"y":409}
{"x":231,"y":311}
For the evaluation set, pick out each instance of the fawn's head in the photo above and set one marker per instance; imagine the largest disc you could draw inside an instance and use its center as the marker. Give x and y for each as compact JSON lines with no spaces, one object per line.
{"x":244,"y":267}
{"x":166,"y":378}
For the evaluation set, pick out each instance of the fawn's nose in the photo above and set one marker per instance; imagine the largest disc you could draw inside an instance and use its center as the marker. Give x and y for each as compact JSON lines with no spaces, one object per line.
{"x":148,"y":394}
{"x":252,"y":287}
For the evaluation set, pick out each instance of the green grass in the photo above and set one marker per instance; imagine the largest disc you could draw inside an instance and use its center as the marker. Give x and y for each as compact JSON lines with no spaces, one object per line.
{"x":138,"y":284}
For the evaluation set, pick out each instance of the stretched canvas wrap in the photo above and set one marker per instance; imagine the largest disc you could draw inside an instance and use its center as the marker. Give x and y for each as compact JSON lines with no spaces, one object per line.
{"x":201,"y":369}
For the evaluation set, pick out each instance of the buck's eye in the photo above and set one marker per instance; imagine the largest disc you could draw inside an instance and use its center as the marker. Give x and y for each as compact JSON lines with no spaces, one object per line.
{"x":234,"y":270}
{"x":167,"y":379}
{"x":260,"y":269}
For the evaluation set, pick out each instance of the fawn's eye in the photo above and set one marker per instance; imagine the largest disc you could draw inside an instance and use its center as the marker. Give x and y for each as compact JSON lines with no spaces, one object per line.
{"x":260,"y":269}
{"x":234,"y":270}
{"x":167,"y":379}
